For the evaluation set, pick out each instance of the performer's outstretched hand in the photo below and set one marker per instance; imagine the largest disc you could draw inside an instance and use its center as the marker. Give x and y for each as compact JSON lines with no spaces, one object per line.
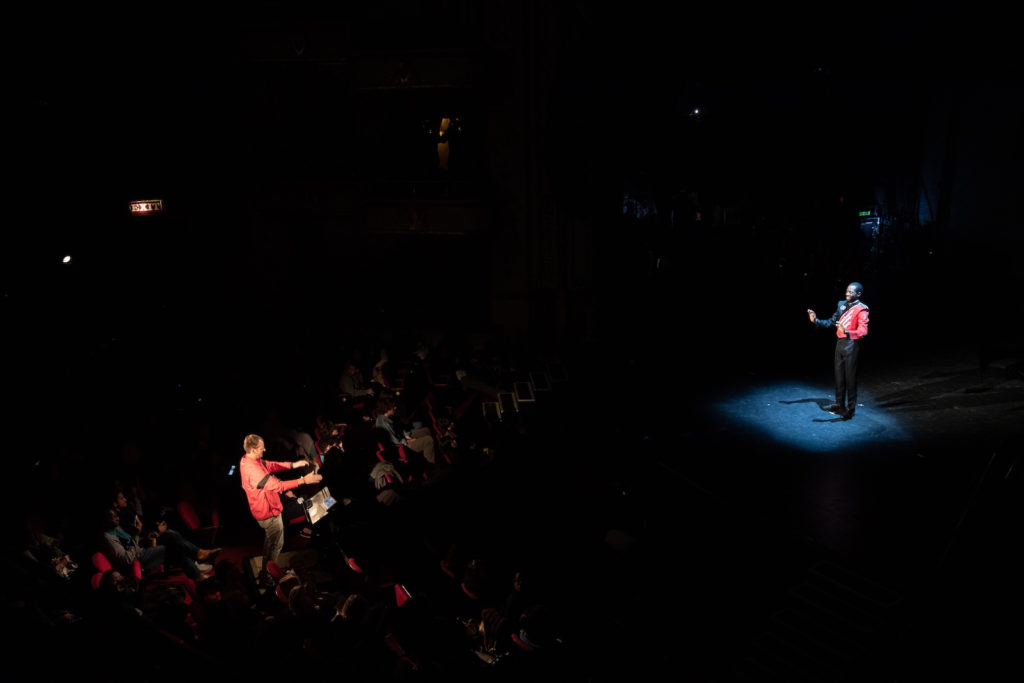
{"x":811,"y":315}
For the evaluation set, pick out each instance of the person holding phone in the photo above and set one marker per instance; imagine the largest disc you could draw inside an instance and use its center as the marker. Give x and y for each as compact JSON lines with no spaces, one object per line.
{"x":263,"y":491}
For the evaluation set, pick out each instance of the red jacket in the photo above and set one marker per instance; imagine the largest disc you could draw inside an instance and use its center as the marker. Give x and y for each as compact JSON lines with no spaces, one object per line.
{"x":855,"y":320}
{"x":853,"y":317}
{"x":264,"y":502}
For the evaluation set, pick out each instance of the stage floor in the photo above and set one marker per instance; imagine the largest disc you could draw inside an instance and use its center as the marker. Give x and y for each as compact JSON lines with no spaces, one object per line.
{"x":778,"y":542}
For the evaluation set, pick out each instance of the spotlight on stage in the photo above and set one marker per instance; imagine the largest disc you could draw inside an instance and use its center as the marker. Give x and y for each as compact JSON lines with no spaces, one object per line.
{"x":792,"y":414}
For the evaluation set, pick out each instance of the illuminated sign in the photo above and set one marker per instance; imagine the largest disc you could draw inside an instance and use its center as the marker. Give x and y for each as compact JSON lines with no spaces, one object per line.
{"x":864,"y":213}
{"x":145,"y":206}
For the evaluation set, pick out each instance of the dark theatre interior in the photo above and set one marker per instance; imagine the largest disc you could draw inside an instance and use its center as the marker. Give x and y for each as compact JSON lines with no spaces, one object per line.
{"x":575,"y":245}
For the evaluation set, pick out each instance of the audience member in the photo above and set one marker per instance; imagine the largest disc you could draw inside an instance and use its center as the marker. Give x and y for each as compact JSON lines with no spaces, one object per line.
{"x":417,"y":439}
{"x":43,"y":550}
{"x":353,"y":385}
{"x":381,"y":378}
{"x":123,"y":547}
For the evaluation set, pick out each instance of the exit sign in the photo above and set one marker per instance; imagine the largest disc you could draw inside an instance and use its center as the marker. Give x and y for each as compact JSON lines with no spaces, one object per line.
{"x":147,"y":206}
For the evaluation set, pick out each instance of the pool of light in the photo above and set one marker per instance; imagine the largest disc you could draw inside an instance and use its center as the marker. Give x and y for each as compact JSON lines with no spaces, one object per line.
{"x":793,"y":414}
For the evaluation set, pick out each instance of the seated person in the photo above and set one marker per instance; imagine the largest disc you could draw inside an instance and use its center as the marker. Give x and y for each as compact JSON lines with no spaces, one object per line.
{"x":44,"y":551}
{"x":418,"y":439}
{"x":353,"y":385}
{"x":129,"y":519}
{"x":296,"y":444}
{"x":381,"y":372}
{"x":122,"y":547}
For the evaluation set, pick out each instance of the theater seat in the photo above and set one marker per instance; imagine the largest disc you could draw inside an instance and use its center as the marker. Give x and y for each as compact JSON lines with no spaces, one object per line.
{"x":203,"y":535}
{"x":274,"y":569}
{"x":402,"y":595}
{"x":101,"y":565}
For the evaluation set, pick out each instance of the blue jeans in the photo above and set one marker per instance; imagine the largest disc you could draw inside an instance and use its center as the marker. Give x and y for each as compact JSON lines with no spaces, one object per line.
{"x":153,"y":557}
{"x":179,"y":551}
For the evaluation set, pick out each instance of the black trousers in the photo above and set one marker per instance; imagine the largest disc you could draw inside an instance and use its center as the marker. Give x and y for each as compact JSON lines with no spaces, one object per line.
{"x":847,"y":352}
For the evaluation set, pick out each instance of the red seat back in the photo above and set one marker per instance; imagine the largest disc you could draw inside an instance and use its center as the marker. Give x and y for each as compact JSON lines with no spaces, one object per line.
{"x":100,"y":562}
{"x":188,"y":514}
{"x":401,"y":594}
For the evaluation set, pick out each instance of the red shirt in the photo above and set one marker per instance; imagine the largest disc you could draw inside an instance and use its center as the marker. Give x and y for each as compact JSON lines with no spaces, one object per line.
{"x":265,"y":502}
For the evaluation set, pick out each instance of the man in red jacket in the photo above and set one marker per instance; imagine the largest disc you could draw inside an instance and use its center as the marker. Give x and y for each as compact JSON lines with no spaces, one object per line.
{"x":263,"y":490}
{"x":851,"y":323}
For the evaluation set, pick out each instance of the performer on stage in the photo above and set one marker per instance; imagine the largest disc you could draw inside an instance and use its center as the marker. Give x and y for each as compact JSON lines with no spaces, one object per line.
{"x":851,"y":323}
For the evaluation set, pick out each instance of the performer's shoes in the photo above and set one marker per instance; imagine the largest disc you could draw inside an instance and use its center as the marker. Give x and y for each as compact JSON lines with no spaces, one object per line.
{"x":836,"y":409}
{"x":847,"y":414}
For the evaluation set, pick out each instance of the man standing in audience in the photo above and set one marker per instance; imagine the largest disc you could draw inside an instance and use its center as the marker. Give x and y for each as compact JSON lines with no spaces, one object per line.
{"x":263,"y":490}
